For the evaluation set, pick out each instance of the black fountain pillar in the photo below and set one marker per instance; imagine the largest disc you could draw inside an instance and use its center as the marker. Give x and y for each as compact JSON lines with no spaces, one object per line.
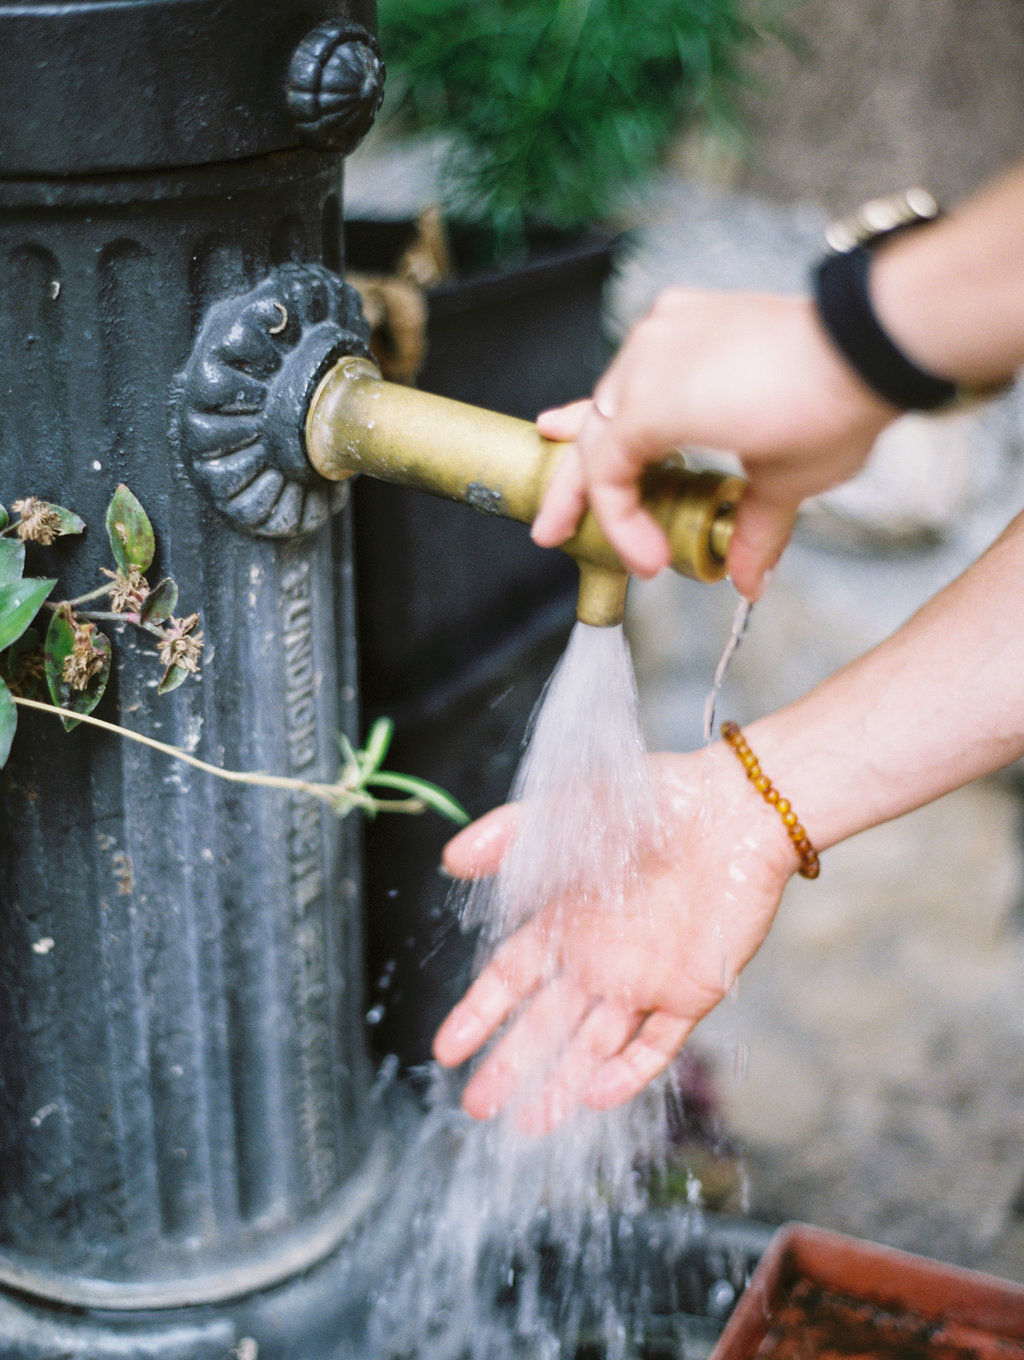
{"x":187,"y":1135}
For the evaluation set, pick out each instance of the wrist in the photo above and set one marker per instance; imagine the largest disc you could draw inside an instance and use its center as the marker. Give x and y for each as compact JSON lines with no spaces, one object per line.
{"x":818,"y":764}
{"x":709,"y":787}
{"x":938,"y":311}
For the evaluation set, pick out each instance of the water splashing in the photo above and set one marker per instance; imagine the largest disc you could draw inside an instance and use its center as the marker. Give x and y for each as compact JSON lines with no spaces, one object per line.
{"x":511,"y":1246}
{"x":588,"y":810}
{"x":507,"y":1244}
{"x":494,"y":1244}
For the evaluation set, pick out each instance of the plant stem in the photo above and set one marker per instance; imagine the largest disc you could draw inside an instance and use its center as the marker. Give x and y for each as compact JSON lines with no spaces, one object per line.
{"x":338,"y":795}
{"x":106,"y":616}
{"x":126,"y":616}
{"x":82,"y":599}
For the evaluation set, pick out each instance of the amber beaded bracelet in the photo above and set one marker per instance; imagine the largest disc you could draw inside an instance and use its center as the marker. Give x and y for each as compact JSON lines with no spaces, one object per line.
{"x":810,"y":866}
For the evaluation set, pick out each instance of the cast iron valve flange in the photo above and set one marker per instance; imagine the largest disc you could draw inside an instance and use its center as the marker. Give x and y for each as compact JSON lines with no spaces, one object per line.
{"x":241,"y":400}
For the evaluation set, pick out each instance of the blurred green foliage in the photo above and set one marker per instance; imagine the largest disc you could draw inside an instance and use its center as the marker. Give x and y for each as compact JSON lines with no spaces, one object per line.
{"x":554,"y":107}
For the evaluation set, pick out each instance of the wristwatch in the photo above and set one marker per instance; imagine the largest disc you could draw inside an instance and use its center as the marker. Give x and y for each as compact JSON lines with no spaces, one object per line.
{"x":841,"y":286}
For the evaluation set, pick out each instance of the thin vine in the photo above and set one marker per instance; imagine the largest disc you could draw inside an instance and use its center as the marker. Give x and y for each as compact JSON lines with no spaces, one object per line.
{"x":71,"y":659}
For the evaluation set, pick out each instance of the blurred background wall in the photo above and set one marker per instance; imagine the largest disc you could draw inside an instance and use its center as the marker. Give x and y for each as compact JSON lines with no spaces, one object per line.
{"x":880,"y":94}
{"x":871,"y":1065}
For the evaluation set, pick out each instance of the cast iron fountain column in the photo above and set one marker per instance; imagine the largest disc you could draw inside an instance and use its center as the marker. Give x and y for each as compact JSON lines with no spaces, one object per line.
{"x":186,"y":1126}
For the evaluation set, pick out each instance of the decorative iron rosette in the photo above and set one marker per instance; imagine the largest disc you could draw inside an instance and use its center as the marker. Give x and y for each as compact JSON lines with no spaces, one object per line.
{"x":335,"y":85}
{"x":241,"y":401}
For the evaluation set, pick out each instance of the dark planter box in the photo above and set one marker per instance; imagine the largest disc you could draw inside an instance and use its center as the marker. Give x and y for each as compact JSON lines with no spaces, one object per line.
{"x":515,"y":338}
{"x":821,"y":1294}
{"x":461,"y":617}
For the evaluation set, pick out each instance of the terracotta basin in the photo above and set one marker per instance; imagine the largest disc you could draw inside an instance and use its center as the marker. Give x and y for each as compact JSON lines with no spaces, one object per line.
{"x":818,"y":1295}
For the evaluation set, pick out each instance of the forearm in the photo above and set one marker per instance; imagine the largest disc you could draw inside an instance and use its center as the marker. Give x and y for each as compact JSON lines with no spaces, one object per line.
{"x":952,"y":295}
{"x":938,"y":704}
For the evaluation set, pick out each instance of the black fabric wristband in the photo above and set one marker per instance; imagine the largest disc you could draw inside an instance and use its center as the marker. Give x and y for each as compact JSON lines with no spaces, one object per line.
{"x":844,"y":307}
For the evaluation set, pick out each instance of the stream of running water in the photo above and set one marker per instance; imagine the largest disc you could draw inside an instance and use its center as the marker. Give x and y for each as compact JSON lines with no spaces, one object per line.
{"x":494,"y":1244}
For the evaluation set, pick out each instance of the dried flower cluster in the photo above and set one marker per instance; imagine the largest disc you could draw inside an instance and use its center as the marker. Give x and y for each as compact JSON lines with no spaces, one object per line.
{"x":84,"y":660}
{"x":39,"y":522}
{"x":181,"y":644}
{"x":129,"y":591}
{"x":24,"y":671}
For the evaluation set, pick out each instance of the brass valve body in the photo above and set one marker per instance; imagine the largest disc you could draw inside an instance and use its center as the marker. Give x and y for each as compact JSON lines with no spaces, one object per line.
{"x":357,"y":422}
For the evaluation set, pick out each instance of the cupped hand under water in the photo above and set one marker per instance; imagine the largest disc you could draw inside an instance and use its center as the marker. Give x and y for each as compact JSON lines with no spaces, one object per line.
{"x":593,"y":999}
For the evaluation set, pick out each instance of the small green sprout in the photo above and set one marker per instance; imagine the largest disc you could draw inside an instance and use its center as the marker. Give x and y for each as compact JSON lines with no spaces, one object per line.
{"x":362,"y":772}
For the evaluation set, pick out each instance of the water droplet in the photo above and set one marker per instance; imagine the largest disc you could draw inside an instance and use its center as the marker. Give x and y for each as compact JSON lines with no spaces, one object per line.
{"x":387,"y":975}
{"x":721,"y":1297}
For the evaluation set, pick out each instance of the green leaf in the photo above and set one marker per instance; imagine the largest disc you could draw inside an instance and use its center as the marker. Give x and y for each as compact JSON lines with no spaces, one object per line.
{"x":19,"y":604}
{"x":160,"y":603}
{"x":8,"y":722}
{"x":130,"y":532}
{"x":12,"y":560}
{"x":371,"y":757}
{"x":60,"y":642}
{"x":348,"y":753}
{"x":431,"y":794}
{"x":173,"y":676}
{"x":5,"y":518}
{"x":70,"y":523}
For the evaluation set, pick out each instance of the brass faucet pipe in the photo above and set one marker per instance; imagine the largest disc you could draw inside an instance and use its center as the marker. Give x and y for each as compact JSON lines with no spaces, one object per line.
{"x":357,"y":422}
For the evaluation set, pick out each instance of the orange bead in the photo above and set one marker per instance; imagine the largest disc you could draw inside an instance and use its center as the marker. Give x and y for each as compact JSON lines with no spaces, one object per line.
{"x":809,"y":864}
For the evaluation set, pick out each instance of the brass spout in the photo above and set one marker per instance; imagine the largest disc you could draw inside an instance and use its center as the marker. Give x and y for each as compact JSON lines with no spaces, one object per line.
{"x":357,"y":422}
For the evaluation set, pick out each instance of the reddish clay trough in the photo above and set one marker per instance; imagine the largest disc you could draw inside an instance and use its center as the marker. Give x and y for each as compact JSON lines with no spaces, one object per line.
{"x":818,"y":1295}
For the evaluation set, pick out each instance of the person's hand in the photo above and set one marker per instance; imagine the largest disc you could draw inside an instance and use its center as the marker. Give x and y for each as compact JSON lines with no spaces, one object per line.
{"x":600,"y":996}
{"x":751,"y":374}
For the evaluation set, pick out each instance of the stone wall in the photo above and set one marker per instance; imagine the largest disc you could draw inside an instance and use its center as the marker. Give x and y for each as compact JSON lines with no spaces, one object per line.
{"x":880,"y":94}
